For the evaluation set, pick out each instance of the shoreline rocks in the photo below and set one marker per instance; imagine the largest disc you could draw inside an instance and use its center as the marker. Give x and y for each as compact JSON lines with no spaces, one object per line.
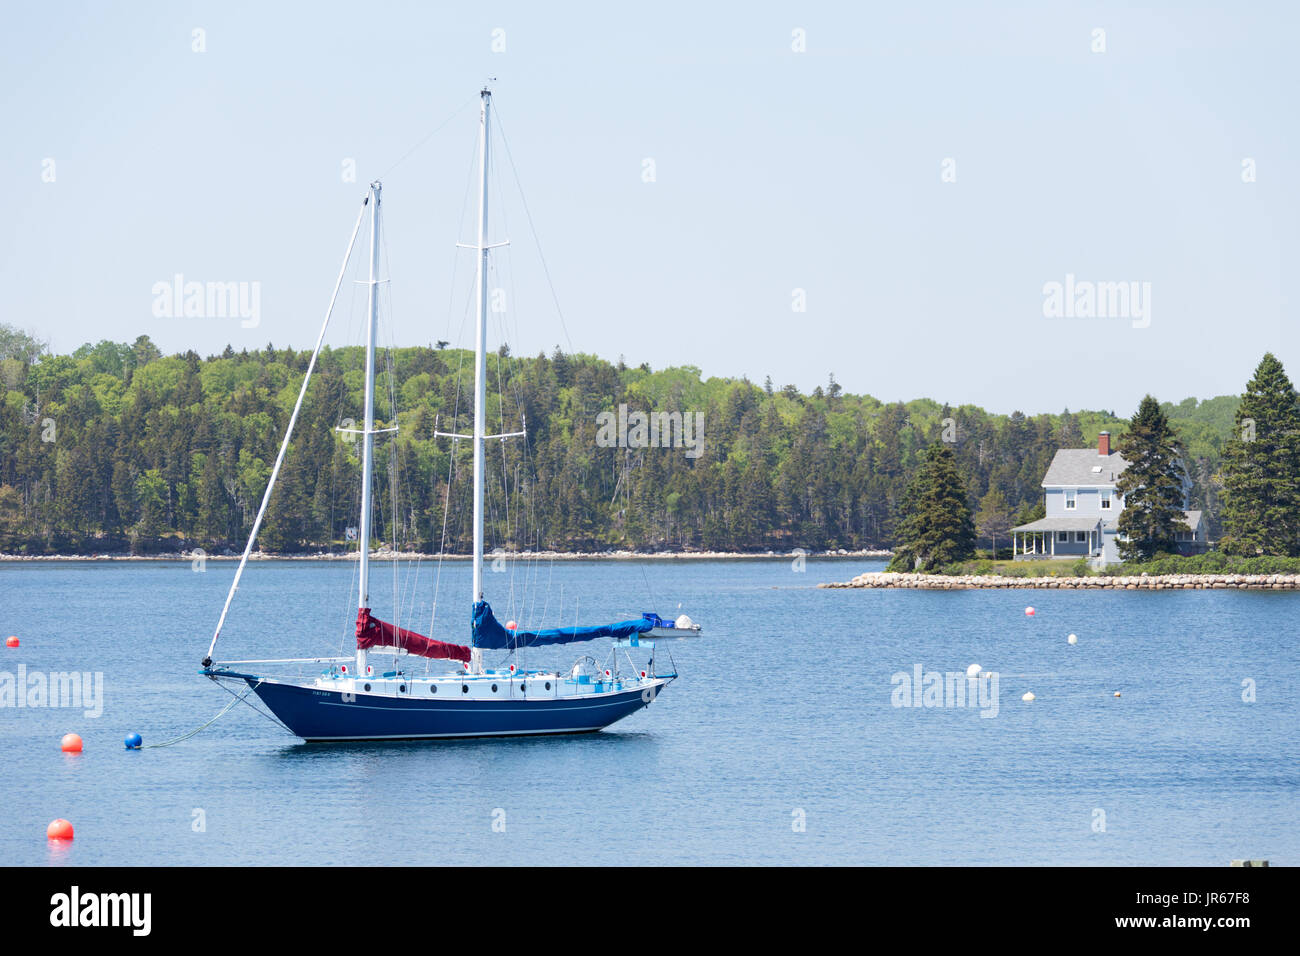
{"x":1144,"y":582}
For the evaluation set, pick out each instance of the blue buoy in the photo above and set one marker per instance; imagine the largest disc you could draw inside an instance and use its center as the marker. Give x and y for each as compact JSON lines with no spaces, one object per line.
{"x":134,"y":741}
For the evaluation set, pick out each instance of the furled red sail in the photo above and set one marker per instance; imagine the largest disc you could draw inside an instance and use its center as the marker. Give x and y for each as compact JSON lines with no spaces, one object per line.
{"x":372,"y":632}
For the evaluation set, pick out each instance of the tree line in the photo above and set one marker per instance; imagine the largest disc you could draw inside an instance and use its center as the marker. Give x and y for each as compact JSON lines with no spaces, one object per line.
{"x":117,"y":447}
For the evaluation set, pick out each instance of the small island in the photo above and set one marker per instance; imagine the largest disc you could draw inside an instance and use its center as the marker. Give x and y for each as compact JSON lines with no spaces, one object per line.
{"x":1119,"y":518}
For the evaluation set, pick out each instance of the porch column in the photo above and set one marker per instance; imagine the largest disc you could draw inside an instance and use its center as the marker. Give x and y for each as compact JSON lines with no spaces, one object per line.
{"x":1053,"y":542}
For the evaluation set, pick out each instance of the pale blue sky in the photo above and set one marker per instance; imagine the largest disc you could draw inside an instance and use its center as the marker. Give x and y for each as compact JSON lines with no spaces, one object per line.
{"x":775,"y":170}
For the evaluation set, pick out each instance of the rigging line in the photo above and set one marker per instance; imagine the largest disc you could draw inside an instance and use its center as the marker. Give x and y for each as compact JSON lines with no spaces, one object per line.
{"x":532,"y":228}
{"x":273,"y":719}
{"x":446,"y":505}
{"x":501,"y":419}
{"x":347,"y":632}
{"x":442,"y":543}
{"x":505,"y":268}
{"x":460,"y":231}
{"x":460,"y":109}
{"x":536,"y":569}
{"x":507,"y":380}
{"x":387,"y":373}
{"x":550,"y":574}
{"x":397,"y":513}
{"x":394,"y":481}
{"x":284,"y":447}
{"x":650,"y":594}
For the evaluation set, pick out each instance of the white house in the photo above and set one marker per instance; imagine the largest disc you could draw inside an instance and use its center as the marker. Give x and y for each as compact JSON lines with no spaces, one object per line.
{"x":1083,"y":510}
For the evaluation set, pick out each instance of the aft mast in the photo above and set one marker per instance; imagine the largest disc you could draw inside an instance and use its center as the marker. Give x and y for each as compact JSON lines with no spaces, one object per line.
{"x":368,"y":428}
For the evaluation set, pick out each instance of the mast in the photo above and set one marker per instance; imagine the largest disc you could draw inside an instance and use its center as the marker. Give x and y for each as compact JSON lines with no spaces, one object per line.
{"x":368,"y":427}
{"x":479,"y":436}
{"x":480,"y":347}
{"x":480,"y":362}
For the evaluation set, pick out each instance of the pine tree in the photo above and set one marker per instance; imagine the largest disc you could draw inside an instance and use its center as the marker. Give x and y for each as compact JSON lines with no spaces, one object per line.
{"x":1152,"y":485}
{"x":936,"y":528}
{"x":1261,"y":468}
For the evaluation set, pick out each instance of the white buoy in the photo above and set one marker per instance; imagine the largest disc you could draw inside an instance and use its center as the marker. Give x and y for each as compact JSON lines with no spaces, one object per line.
{"x":1073,"y":638}
{"x":1028,"y":697}
{"x":973,"y":671}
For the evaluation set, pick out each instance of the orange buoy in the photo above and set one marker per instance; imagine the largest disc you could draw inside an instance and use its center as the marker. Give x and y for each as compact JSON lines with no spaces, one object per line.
{"x":511,"y":626}
{"x":71,"y":744}
{"x":12,"y":641}
{"x":59,"y":830}
{"x":1030,"y":612}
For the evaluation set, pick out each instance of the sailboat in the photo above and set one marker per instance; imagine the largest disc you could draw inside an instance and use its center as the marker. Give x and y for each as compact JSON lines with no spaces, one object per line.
{"x":350,"y":699}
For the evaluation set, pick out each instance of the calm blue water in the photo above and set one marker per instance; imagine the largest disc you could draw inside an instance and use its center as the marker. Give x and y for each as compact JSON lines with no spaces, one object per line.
{"x":784,"y":707}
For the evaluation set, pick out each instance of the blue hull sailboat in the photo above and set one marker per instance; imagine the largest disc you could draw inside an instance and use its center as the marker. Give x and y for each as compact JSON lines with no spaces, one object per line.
{"x":349,"y":700}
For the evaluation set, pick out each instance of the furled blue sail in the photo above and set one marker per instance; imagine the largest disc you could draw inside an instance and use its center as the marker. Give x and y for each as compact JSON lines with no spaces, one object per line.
{"x":492,"y":634}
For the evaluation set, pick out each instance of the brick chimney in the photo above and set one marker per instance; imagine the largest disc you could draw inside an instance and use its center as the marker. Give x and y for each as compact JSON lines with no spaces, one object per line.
{"x":1103,"y":444}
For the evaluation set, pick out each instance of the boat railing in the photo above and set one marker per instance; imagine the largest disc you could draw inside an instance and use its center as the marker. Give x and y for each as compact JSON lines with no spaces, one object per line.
{"x":288,"y":660}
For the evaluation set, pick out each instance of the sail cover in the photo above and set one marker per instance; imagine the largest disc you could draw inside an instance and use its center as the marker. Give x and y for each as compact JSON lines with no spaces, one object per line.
{"x":372,"y":632}
{"x":490,"y":633}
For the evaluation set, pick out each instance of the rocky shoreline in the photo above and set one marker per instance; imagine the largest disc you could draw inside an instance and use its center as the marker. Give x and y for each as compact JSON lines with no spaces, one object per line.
{"x":1144,"y":582}
{"x":390,"y":555}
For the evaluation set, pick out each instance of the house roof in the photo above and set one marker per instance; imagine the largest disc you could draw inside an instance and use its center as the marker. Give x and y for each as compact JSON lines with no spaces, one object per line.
{"x":1083,"y":468}
{"x":1084,"y":523}
{"x":1061,"y":523}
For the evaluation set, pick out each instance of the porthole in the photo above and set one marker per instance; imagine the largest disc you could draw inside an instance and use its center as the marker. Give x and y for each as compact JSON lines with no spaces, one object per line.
{"x":401,"y":688}
{"x":494,"y":688}
{"x":367,"y":687}
{"x":464,"y":688}
{"x":523,"y":688}
{"x":433,"y":688}
{"x":548,"y":685}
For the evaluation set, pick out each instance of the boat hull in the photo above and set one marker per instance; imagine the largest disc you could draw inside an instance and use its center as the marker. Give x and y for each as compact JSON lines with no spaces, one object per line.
{"x":320,"y":715}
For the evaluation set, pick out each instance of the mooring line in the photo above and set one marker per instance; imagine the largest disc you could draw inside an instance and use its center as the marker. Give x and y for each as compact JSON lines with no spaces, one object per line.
{"x":221,"y":713}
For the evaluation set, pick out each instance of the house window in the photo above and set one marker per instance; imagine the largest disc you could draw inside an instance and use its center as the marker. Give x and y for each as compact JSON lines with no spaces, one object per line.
{"x":1081,"y":536}
{"x":1062,"y":536}
{"x":1105,"y":500}
{"x":1071,"y":499}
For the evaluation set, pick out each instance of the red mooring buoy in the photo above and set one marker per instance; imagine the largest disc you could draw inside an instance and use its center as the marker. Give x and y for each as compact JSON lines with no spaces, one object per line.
{"x":59,"y":829}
